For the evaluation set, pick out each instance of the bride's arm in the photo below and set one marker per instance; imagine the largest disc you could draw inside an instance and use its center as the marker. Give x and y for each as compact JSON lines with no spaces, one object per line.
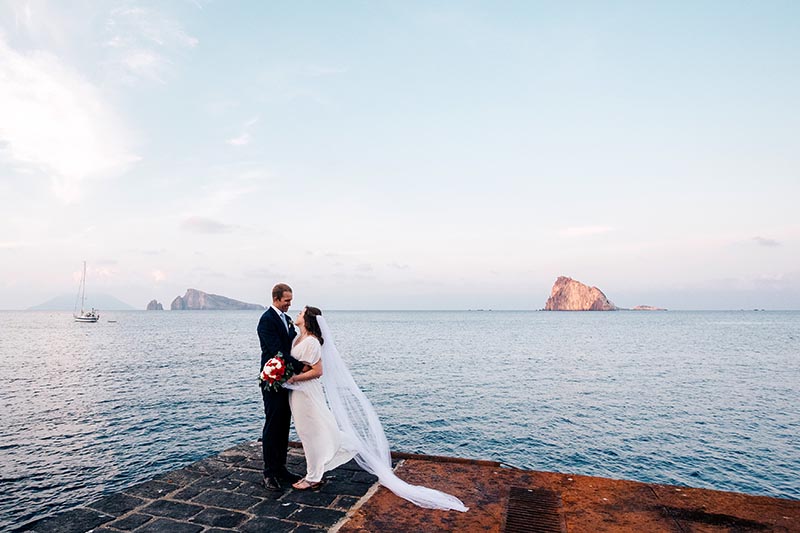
{"x":315,"y":372}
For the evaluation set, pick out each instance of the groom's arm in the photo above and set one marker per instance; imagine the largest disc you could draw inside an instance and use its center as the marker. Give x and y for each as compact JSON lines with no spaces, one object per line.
{"x":268,"y":337}
{"x":294,"y":364}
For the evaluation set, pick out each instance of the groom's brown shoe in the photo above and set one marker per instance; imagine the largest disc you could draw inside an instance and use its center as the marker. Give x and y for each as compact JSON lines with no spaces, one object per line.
{"x":271,"y":483}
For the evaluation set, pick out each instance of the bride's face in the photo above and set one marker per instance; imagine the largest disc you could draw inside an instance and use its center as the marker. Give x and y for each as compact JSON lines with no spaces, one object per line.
{"x":300,"y":320}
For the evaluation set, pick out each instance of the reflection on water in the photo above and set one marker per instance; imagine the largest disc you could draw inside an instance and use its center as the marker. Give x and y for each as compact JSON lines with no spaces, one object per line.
{"x":701,"y":399}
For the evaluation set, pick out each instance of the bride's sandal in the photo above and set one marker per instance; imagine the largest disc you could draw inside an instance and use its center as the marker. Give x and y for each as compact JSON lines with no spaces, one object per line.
{"x":303,"y":484}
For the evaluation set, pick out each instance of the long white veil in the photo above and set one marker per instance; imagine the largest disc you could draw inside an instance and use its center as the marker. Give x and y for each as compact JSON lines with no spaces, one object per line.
{"x":359,"y":422}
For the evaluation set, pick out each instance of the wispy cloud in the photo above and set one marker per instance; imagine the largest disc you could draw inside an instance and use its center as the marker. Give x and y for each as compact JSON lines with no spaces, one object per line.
{"x":205,"y":225}
{"x":140,"y":42}
{"x":241,"y":140}
{"x":763,"y":241}
{"x":57,"y":124}
{"x":245,"y":137}
{"x":582,"y":231}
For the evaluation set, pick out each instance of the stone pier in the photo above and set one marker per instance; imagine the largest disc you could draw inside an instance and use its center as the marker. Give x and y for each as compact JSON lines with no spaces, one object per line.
{"x":224,"y":494}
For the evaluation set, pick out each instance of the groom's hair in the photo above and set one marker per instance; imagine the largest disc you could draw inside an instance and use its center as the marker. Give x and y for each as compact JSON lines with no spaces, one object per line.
{"x":279,"y":289}
{"x":312,"y":326}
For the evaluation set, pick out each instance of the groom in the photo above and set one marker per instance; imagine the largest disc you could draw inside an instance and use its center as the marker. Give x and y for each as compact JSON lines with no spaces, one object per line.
{"x":275,"y":333}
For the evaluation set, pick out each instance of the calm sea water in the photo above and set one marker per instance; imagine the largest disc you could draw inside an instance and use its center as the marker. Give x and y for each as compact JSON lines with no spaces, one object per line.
{"x":705,"y":399}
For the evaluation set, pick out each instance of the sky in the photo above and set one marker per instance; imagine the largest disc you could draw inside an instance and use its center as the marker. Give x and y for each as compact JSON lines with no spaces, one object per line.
{"x":401,"y":155}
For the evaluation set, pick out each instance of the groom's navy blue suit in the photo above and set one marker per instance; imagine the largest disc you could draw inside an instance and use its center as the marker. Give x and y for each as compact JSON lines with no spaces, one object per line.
{"x":274,"y":338}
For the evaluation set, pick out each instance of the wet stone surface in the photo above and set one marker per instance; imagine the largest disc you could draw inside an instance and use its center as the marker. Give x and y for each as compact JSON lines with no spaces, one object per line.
{"x":216,"y":494}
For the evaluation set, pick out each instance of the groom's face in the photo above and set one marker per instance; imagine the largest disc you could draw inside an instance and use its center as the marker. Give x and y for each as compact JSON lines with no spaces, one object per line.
{"x":284,"y":302}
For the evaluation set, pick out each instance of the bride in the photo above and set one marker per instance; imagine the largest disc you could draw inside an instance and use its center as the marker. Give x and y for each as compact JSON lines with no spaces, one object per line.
{"x":350,"y":427}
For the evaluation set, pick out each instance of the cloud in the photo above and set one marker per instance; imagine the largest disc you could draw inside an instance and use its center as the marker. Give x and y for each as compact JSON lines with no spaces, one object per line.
{"x":158,"y":275}
{"x":241,"y":140}
{"x":205,"y":225}
{"x":140,"y":40}
{"x":583,"y":231}
{"x":245,"y":137}
{"x":55,"y":123}
{"x":763,"y":241}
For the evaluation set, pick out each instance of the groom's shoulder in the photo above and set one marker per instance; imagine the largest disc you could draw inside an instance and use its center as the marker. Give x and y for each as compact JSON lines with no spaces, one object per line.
{"x":265,"y":315}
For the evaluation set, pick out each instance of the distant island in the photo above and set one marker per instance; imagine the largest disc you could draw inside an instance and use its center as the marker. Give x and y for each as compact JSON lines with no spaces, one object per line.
{"x":195,"y":300}
{"x":66,"y":302}
{"x":572,"y":295}
{"x":155,"y":305}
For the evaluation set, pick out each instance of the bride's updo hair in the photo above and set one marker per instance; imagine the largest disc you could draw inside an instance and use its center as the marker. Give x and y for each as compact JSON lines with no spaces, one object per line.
{"x":312,"y":326}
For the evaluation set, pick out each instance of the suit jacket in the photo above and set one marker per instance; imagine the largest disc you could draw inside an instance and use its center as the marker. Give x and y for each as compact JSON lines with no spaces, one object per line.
{"x":274,"y":338}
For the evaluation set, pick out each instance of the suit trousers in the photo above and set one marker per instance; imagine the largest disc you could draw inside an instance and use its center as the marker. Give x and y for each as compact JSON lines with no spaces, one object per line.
{"x":275,"y":436}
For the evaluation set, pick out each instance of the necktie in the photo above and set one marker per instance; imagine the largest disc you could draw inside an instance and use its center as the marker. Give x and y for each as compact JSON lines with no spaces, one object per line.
{"x":285,"y":324}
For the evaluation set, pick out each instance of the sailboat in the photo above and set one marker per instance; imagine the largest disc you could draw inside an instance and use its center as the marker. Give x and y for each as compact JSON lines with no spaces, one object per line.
{"x":84,"y":316}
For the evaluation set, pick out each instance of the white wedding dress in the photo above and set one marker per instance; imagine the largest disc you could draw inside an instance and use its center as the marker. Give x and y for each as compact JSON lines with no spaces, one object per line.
{"x":314,"y":422}
{"x":351,"y":425}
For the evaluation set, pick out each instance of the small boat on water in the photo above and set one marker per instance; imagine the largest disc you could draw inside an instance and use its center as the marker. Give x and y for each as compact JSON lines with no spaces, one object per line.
{"x":84,"y":316}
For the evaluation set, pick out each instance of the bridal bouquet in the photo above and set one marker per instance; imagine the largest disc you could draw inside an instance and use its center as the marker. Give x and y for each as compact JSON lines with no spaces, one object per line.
{"x":274,"y":373}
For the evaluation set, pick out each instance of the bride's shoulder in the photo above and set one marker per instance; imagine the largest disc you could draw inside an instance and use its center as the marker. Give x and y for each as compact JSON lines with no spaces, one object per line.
{"x":313,"y":340}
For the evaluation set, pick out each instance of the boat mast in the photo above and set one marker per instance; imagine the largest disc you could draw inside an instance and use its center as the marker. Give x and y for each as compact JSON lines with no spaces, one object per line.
{"x":83,"y":286}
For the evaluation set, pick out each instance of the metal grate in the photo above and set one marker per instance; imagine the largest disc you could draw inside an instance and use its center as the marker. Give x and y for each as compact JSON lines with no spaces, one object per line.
{"x":534,"y":510}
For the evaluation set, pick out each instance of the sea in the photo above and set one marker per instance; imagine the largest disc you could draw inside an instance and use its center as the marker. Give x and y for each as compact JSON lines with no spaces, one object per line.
{"x":701,"y":399}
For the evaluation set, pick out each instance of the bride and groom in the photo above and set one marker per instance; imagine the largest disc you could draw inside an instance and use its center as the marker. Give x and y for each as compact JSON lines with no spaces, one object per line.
{"x":336,"y":422}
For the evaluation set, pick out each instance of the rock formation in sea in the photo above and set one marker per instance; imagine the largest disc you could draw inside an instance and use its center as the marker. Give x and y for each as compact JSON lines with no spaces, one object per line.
{"x":647,"y":308}
{"x":571,"y":295}
{"x":154,"y":305}
{"x":195,"y":300}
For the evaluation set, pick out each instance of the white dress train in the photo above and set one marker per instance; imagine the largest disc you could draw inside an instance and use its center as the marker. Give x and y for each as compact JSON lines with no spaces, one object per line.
{"x":323,"y":443}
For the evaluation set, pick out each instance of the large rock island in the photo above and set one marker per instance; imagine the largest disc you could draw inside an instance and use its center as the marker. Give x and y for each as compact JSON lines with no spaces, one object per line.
{"x":571,"y":295}
{"x":195,"y":300}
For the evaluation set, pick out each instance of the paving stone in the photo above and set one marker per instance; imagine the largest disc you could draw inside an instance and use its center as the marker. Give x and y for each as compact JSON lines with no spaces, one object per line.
{"x":305,"y":528}
{"x":252,"y":464}
{"x":211,"y":466}
{"x":219,"y":530}
{"x":232,"y":458}
{"x":75,"y":521}
{"x":247,"y":475}
{"x":260,"y":525}
{"x":215,"y":483}
{"x":364,"y":477}
{"x":317,"y":516}
{"x":130,"y":522}
{"x":227,"y":500}
{"x":274,"y":508}
{"x":165,"y":525}
{"x":345,"y":502}
{"x":116,"y":504}
{"x":182,"y":476}
{"x":172,"y":509}
{"x":219,"y":517}
{"x":151,"y":489}
{"x":309,"y":497}
{"x":188,"y":493}
{"x":254,"y":489}
{"x":342,"y":487}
